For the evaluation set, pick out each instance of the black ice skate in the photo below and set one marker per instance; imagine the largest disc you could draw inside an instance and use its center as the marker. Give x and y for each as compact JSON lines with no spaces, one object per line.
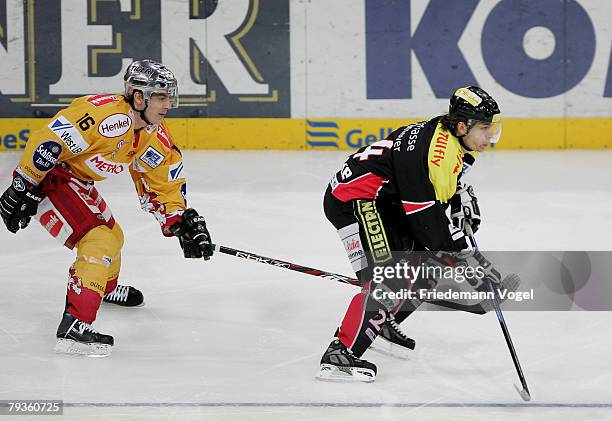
{"x":339,"y":364}
{"x":392,"y":341}
{"x":125,"y":296}
{"x":77,"y":337}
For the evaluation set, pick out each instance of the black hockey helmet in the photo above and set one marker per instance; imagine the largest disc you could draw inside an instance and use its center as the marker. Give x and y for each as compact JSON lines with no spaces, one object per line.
{"x":472,"y":105}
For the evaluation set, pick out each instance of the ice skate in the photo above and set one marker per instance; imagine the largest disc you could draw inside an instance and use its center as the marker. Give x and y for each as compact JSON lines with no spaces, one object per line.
{"x":392,"y":341}
{"x":125,"y":296}
{"x":79,"y":338}
{"x":339,"y":364}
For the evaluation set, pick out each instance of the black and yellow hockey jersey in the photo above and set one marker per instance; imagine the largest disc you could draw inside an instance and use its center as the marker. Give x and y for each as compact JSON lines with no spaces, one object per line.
{"x":417,"y":167}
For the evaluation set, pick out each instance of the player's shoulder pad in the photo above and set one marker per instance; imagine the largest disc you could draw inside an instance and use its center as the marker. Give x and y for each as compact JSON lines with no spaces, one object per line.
{"x":111,"y":114}
{"x":158,"y":147}
{"x":71,"y":126}
{"x":92,"y":117}
{"x":158,"y":135}
{"x":164,"y":137}
{"x":445,"y":151}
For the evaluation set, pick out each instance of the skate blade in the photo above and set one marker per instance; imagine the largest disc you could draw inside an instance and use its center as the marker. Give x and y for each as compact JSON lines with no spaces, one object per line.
{"x":332,"y":373}
{"x":70,"y":347}
{"x":383,"y":346}
{"x":124,"y":306}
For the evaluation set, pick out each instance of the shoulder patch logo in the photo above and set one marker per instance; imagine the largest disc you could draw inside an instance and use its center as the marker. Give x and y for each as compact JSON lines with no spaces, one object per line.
{"x":68,"y":134}
{"x":45,"y":156}
{"x":99,"y":100}
{"x":115,"y":125}
{"x":152,"y":157}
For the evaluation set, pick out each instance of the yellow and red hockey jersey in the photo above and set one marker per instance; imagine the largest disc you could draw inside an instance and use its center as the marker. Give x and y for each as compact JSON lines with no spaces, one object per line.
{"x":95,"y":138}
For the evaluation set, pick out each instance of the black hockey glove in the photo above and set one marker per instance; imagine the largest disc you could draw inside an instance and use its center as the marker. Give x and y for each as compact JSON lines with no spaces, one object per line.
{"x":464,"y":209}
{"x":193,"y":235}
{"x":19,"y":203}
{"x":475,"y":268}
{"x":483,"y":268}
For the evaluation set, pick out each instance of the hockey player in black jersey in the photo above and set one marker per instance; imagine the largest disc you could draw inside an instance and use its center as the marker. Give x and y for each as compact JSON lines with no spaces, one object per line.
{"x":392,"y":196}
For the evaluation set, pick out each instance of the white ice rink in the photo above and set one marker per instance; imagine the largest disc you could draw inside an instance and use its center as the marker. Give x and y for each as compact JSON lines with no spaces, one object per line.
{"x":236,"y":340}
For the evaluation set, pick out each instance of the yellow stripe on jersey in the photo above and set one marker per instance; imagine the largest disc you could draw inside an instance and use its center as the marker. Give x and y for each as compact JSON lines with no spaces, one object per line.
{"x":444,"y":161}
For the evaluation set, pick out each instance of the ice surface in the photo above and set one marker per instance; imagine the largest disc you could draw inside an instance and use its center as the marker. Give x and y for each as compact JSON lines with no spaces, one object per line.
{"x":236,"y":340}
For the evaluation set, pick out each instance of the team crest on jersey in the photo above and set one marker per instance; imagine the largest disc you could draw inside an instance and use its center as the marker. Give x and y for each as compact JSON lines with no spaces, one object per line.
{"x":68,"y":134}
{"x":175,"y":171}
{"x":99,"y":100}
{"x":118,"y":148}
{"x":152,"y":157}
{"x":115,"y":125}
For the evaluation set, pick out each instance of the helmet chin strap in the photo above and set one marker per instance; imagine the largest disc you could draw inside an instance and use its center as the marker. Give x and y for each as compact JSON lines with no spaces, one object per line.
{"x":142,"y":113}
{"x":461,"y":138}
{"x":463,"y":144}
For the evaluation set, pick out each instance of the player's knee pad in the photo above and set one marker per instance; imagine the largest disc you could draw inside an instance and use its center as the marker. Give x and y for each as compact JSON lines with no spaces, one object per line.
{"x":118,"y":234}
{"x":102,"y":243}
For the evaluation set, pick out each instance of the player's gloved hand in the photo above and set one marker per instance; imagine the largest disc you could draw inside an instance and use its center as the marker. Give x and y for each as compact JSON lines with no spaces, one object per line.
{"x":193,"y":236}
{"x":464,"y":209}
{"x":19,"y":203}
{"x":481,"y":267}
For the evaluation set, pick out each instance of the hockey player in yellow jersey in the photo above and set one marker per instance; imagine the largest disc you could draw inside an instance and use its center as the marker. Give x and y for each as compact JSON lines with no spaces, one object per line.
{"x":97,"y":137}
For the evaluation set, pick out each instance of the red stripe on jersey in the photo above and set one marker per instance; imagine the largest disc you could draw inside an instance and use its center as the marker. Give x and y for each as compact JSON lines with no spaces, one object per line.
{"x":363,"y":187}
{"x":414,"y":207}
{"x":163,"y":137}
{"x":102,"y":205}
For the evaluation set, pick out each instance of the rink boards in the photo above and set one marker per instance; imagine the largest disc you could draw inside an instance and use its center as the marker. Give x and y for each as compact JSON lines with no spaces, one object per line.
{"x":338,"y":133}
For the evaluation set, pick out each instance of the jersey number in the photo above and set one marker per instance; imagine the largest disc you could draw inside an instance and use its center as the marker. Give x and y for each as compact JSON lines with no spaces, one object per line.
{"x":375,"y":149}
{"x":86,"y":122}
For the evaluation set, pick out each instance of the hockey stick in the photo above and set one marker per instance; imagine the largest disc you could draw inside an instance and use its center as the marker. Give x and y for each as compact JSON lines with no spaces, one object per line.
{"x":474,"y":309}
{"x":285,"y":265}
{"x":525,"y":395}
